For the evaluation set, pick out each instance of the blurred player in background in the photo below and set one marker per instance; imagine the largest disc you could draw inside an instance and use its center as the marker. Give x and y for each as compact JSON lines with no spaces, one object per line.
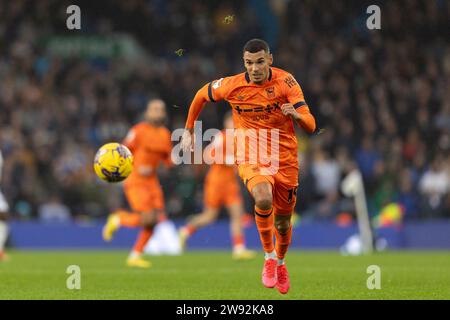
{"x":3,"y":218}
{"x":222,"y":189}
{"x":150,"y":143}
{"x":263,"y":98}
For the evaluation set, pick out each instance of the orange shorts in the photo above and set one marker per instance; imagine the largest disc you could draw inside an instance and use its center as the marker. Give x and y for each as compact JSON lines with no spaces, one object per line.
{"x":144,"y":197}
{"x":284,"y":185}
{"x":218,"y":193}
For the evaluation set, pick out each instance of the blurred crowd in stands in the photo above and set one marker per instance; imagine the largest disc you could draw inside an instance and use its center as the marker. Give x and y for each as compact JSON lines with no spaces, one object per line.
{"x":381,"y":98}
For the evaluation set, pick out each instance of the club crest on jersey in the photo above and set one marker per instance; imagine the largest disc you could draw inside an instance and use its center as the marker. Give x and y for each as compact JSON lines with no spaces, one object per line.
{"x":270,"y":92}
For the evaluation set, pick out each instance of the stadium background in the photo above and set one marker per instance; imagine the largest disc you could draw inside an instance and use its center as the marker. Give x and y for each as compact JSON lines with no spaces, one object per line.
{"x":380,"y":96}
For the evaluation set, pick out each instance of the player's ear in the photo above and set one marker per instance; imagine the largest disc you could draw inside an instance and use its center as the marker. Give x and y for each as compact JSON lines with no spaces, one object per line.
{"x":270,"y":59}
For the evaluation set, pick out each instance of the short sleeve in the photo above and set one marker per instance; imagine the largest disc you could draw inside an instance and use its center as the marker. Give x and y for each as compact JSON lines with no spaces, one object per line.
{"x":219,"y":89}
{"x":294,"y":93}
{"x":131,"y":139}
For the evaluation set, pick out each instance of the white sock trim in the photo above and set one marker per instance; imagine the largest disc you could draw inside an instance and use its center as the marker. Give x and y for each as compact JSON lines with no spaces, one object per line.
{"x":239,"y":248}
{"x":270,"y":255}
{"x":134,"y":255}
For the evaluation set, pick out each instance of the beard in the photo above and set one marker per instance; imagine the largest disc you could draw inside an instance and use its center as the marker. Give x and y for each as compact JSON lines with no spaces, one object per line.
{"x":259,"y":79}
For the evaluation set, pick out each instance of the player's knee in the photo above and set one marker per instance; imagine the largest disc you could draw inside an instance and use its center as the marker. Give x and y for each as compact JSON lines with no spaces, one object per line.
{"x":264,"y":203}
{"x":283,"y":226}
{"x":262,"y":194}
{"x":210,"y":216}
{"x":148,"y":220}
{"x":235,"y":211}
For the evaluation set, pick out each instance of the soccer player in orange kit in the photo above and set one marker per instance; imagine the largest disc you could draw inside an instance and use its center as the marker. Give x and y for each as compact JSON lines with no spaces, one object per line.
{"x":150,"y":142}
{"x":221,"y":189}
{"x":263,"y":99}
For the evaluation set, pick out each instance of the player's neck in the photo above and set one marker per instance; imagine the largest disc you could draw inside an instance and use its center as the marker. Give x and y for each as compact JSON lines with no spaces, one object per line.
{"x":155,"y":124}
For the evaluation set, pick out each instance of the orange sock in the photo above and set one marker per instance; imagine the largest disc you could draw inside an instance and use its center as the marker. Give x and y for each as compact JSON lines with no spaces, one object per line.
{"x":142,"y":239}
{"x":264,"y":222}
{"x":283,"y":242}
{"x":130,"y":219}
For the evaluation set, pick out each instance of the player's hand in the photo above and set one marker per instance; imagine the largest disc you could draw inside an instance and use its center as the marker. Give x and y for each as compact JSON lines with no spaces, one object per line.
{"x":187,"y":141}
{"x":288,"y":110}
{"x":145,"y":170}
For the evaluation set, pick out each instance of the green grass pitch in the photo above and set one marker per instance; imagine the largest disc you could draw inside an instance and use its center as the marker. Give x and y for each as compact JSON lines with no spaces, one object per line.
{"x":213,"y":275}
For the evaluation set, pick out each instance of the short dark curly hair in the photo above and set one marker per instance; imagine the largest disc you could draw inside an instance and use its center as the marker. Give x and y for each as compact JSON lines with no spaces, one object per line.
{"x":256,"y":45}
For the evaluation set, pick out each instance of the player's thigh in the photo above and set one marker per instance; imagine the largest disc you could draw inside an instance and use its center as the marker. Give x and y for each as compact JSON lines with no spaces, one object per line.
{"x":259,"y":185}
{"x":139,"y":198}
{"x":232,"y":195}
{"x":285,"y":191}
{"x":213,"y":195}
{"x":156,"y":200}
{"x":157,"y":197}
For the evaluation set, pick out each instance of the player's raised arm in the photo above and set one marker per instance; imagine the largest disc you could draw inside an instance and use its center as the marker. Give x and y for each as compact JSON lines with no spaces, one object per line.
{"x":199,"y":101}
{"x":197,"y":105}
{"x":297,"y":108}
{"x":210,"y":92}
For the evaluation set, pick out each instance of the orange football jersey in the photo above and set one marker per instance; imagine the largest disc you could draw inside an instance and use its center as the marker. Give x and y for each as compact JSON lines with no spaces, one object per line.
{"x":150,"y":146}
{"x":258,"y":107}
